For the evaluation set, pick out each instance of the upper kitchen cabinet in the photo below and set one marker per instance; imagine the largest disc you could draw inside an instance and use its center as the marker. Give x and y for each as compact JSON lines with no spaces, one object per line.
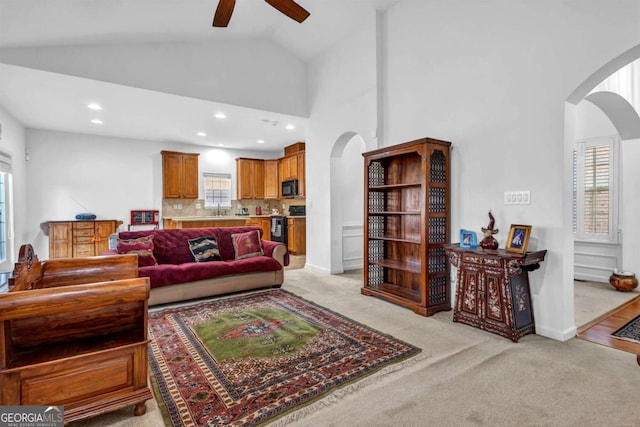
{"x":292,"y":166}
{"x":250,"y":178}
{"x":301,"y":173}
{"x":179,"y":175}
{"x":271,"y":181}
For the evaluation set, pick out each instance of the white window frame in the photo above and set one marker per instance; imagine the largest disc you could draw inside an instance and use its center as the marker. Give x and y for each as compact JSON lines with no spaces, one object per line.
{"x":220,"y":182}
{"x":6,"y":260}
{"x":579,"y":187}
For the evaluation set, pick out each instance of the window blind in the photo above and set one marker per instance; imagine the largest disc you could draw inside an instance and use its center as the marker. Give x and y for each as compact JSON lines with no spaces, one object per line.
{"x":217,"y":190}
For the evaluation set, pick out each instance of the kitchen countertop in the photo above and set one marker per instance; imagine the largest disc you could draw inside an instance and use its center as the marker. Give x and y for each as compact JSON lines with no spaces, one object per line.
{"x":223,"y":218}
{"x":214,"y":218}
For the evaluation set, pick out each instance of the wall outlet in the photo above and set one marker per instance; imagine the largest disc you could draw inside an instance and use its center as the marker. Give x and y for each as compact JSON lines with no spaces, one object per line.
{"x":517,"y":197}
{"x":198,"y":205}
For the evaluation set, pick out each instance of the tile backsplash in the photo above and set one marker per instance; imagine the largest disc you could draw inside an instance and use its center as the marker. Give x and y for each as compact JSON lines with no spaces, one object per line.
{"x":172,"y":208}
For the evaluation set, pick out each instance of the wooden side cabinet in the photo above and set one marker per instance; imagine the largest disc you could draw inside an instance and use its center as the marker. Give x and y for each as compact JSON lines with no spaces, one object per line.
{"x":492,"y":289}
{"x":179,"y":175}
{"x":76,"y":239}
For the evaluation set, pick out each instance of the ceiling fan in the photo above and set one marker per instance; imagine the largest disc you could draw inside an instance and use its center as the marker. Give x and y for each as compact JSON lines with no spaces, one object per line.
{"x":289,"y":7}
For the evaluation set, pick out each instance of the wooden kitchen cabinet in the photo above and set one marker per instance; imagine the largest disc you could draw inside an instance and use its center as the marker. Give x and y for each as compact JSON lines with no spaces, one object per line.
{"x":300,"y":159}
{"x":271,"y":180}
{"x":179,"y":175}
{"x":250,"y":178}
{"x":75,"y":239}
{"x":288,"y":168}
{"x":407,"y":223}
{"x":264,"y":222}
{"x":297,"y":235}
{"x":293,"y":167}
{"x":492,"y":290}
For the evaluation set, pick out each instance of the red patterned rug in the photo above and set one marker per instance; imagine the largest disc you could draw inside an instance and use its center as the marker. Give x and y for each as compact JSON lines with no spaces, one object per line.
{"x":247,"y":360}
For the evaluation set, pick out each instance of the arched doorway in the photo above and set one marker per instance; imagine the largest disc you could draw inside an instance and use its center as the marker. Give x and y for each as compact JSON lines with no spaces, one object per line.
{"x":625,"y":123}
{"x":346,"y":175}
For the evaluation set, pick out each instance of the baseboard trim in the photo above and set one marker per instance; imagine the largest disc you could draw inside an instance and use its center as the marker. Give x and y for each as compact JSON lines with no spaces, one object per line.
{"x":317,"y":268}
{"x":555,"y":334}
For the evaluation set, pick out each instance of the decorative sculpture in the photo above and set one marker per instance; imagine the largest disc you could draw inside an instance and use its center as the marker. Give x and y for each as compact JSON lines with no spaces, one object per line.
{"x":489,"y":242}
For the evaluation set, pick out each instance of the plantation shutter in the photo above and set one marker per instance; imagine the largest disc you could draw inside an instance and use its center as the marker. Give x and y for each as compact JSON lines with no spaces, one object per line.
{"x":594,"y":190}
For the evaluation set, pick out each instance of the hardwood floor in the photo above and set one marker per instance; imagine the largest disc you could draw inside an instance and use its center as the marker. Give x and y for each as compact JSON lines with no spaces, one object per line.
{"x":600,"y":329}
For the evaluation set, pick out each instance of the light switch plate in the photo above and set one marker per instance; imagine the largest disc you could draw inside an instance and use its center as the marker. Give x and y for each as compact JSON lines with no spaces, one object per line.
{"x":517,"y":197}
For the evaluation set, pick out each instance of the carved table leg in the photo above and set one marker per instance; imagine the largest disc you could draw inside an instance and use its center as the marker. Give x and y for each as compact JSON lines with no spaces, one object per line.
{"x":139,"y":409}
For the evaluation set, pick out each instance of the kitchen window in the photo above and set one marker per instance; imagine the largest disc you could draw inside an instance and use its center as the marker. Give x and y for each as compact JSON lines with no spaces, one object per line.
{"x":217,"y":190}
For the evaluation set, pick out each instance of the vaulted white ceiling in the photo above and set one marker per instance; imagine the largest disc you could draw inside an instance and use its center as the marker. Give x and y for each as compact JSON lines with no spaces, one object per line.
{"x":45,"y":100}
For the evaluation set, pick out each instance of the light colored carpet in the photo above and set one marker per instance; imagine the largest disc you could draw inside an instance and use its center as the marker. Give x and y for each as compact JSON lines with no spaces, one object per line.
{"x":465,"y":377}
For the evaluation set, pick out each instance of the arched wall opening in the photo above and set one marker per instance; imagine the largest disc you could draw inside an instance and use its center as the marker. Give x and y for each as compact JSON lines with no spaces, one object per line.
{"x":346,"y":175}
{"x":627,"y":124}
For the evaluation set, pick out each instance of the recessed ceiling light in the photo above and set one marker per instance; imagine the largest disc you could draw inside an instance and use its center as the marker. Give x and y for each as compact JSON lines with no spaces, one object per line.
{"x":290,"y":127}
{"x":260,"y":141}
{"x":220,"y":145}
{"x":96,"y":121}
{"x":202,"y":134}
{"x":220,"y":116}
{"x":94,"y":106}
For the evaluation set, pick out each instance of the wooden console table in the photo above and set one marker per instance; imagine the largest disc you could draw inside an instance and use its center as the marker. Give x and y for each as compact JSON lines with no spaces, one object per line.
{"x":492,"y":289}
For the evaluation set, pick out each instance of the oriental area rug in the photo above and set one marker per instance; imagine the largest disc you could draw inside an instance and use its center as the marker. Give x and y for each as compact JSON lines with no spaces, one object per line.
{"x":630,"y":331}
{"x":251,"y":359}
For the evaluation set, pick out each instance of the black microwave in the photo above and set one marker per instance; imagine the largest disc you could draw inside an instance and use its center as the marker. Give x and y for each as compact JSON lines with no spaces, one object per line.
{"x":290,"y":188}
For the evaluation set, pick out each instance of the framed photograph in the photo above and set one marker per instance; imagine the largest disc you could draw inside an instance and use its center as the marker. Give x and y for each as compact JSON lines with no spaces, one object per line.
{"x":468,"y":239}
{"x":518,"y":238}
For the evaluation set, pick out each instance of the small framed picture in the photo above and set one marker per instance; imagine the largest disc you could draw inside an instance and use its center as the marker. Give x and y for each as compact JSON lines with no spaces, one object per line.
{"x":468,"y":239}
{"x":518,"y":238}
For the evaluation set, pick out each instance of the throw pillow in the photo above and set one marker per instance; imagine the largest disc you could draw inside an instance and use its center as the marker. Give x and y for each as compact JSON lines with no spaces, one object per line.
{"x":204,"y":249}
{"x":247,"y":245}
{"x":142,"y":246}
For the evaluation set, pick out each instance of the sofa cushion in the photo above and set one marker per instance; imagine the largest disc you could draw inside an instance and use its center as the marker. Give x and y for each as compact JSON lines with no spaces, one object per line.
{"x":170,"y":274}
{"x":142,"y":246}
{"x":171,"y":246}
{"x":204,"y":249}
{"x":247,"y":245}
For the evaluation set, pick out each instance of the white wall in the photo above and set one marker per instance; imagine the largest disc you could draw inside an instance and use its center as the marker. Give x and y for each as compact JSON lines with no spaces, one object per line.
{"x":630,"y":205}
{"x":13,"y":144}
{"x":251,"y":73}
{"x":343,"y":102}
{"x":73,"y":173}
{"x":487,"y":77}
{"x":493,"y":78}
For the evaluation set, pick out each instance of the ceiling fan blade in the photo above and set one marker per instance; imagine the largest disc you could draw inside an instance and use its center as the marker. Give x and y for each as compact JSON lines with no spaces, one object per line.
{"x":223,"y":13}
{"x":290,"y":8}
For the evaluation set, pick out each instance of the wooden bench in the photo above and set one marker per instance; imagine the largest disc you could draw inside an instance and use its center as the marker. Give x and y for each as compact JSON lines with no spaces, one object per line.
{"x":74,"y":333}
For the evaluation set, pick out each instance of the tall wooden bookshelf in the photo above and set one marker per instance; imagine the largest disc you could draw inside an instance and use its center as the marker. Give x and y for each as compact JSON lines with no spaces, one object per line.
{"x":407,"y":224}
